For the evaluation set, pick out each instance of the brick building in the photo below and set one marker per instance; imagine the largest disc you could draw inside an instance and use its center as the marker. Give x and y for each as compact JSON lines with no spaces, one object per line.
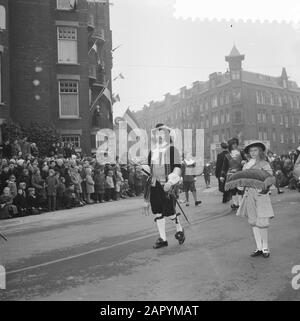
{"x":60,"y":62}
{"x":238,"y":103}
{"x":4,"y":63}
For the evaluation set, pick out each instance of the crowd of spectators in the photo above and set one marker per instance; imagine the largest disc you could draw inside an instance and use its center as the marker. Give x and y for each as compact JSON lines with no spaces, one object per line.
{"x":63,"y":179}
{"x":284,"y":168}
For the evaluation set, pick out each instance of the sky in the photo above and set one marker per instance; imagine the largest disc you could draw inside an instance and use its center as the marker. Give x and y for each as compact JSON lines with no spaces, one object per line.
{"x":168,"y":44}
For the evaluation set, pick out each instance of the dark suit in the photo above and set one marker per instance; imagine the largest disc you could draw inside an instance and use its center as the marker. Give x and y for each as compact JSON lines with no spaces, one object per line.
{"x":219,"y":166}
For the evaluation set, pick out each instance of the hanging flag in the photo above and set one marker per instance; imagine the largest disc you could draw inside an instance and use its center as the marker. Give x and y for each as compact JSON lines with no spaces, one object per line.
{"x":104,"y":92}
{"x":73,"y":4}
{"x":107,"y":94}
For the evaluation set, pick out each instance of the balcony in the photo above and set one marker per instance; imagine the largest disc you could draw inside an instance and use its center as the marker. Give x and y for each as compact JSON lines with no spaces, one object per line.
{"x":93,"y":72}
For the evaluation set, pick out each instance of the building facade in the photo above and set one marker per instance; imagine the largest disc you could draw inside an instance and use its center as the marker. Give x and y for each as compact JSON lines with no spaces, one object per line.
{"x":236,"y":103}
{"x":60,"y":64}
{"x":4,"y":63}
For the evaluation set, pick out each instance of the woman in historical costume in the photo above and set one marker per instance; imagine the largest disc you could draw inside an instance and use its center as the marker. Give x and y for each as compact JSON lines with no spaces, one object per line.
{"x":233,"y":162}
{"x":164,"y":173}
{"x":256,"y":203}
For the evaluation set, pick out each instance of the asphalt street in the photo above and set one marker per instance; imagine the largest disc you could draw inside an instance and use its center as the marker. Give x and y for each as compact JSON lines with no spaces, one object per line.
{"x":104,"y":252}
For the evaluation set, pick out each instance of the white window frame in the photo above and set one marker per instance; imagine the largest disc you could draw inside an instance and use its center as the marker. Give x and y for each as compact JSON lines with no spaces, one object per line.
{"x":59,"y":44}
{"x":2,"y":18}
{"x":69,"y":141}
{"x":64,"y":8}
{"x":273,"y":119}
{"x":59,"y":93}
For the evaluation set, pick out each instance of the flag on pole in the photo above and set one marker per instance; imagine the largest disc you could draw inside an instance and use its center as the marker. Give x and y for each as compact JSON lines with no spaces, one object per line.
{"x":104,"y":92}
{"x":115,"y":98}
{"x":107,"y":94}
{"x":94,"y":47}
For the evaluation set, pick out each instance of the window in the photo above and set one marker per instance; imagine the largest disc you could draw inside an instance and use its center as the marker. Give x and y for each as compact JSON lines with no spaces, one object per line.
{"x":216,"y":138}
{"x":293,"y":138}
{"x":68,"y":99}
{"x":281,"y":138}
{"x":222,"y":118}
{"x":227,"y":116}
{"x":67,"y":45}
{"x":206,"y":104}
{"x":207,"y":122}
{"x":215,"y":119}
{"x":259,"y":116}
{"x":260,"y":135}
{"x":286,"y":121}
{"x":221,"y":99}
{"x":271,"y":99}
{"x":72,"y":139}
{"x":66,"y":4}
{"x":265,"y":135}
{"x":237,"y":117}
{"x":201,"y":105}
{"x":281,"y":120}
{"x":235,"y":74}
{"x":258,"y":100}
{"x":214,"y":101}
{"x":273,"y":119}
{"x":264,"y":117}
{"x":274,"y":135}
{"x":2,"y":17}
{"x":227,"y":98}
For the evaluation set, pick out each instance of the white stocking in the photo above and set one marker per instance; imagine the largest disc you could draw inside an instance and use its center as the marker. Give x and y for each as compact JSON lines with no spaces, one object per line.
{"x":257,"y":236}
{"x":161,"y":225}
{"x":177,"y":224}
{"x":264,"y":237}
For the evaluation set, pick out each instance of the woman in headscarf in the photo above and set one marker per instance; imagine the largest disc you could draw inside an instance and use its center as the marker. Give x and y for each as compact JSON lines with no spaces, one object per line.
{"x":256,"y":203}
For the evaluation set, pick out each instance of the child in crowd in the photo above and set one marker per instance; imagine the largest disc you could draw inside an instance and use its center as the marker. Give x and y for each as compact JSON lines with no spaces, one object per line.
{"x":32,"y":202}
{"x":61,"y":188}
{"x":12,"y":185}
{"x":20,"y":200}
{"x":110,"y":186}
{"x":7,"y":209}
{"x":99,"y":179}
{"x":90,"y":189}
{"x":119,"y":182}
{"x":131,"y":181}
{"x":51,"y":185}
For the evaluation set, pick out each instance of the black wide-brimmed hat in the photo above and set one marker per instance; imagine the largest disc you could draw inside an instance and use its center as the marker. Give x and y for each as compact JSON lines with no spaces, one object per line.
{"x":255,"y":143}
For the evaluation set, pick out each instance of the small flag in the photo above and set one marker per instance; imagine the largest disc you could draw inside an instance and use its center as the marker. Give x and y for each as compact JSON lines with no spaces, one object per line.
{"x":73,"y":4}
{"x":115,"y":98}
{"x":121,"y":76}
{"x":106,"y":93}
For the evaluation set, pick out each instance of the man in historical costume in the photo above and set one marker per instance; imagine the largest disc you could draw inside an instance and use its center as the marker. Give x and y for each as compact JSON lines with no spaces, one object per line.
{"x":164,"y":176}
{"x":219,"y":165}
{"x":233,"y":162}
